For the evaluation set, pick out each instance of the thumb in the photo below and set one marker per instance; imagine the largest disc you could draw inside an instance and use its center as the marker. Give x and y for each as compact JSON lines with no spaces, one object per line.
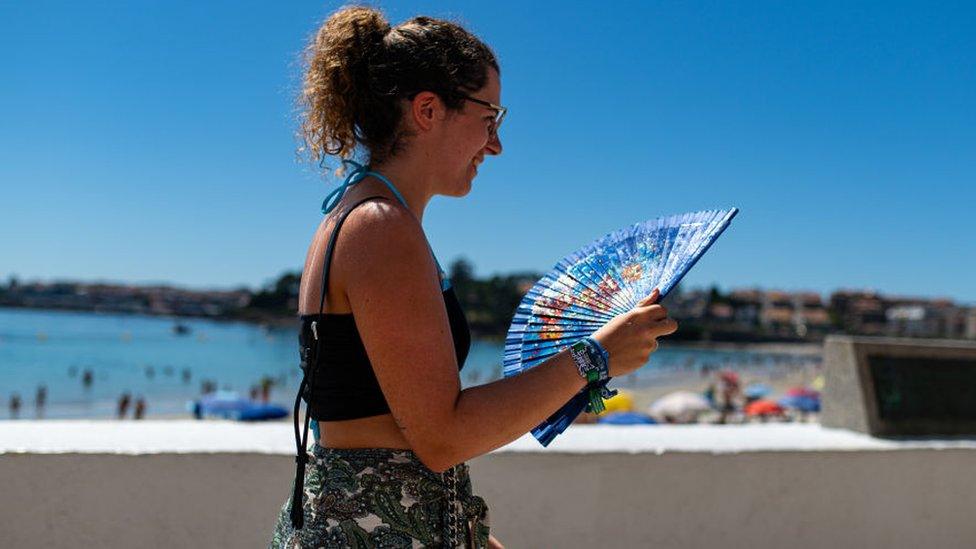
{"x":650,"y":299}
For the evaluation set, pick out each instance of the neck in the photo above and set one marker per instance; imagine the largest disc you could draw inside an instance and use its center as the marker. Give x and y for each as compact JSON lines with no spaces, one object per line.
{"x":413,"y":179}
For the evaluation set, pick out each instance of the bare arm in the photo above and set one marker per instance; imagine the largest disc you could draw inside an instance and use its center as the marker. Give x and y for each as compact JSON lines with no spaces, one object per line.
{"x":400,"y":314}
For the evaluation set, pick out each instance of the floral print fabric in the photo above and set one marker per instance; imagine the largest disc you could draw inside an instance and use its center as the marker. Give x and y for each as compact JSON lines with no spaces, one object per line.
{"x":382,"y":498}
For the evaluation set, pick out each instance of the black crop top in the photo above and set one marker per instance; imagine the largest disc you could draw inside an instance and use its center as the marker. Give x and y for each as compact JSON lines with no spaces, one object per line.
{"x":345,"y":386}
{"x":341,"y":383}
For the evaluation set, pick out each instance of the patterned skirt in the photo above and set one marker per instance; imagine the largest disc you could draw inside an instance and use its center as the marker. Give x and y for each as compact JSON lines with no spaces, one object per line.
{"x":380,"y":497}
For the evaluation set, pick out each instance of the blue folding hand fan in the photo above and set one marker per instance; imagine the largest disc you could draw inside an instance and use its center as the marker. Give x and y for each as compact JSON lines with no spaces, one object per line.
{"x":598,"y":282}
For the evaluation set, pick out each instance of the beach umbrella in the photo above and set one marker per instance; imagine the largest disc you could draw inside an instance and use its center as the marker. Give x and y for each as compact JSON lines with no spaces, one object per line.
{"x":763,"y":408}
{"x":802,"y":392}
{"x":626,"y":418}
{"x":757,"y":390}
{"x":679,"y":407}
{"x":592,"y":285}
{"x":803,"y":403}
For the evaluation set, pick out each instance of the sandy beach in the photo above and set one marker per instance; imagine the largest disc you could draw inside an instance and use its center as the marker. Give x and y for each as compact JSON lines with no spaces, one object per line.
{"x":780,"y":382}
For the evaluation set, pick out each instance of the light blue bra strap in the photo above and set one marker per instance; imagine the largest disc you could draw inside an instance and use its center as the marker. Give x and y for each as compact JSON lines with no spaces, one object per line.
{"x":360,"y":172}
{"x":445,"y":281}
{"x":314,"y":424}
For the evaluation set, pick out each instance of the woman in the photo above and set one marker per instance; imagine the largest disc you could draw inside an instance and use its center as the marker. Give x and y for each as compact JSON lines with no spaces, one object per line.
{"x":382,"y":335}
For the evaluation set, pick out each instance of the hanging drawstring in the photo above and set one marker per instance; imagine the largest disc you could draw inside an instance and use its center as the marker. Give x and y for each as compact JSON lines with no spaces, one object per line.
{"x":301,"y":437}
{"x":301,"y":458}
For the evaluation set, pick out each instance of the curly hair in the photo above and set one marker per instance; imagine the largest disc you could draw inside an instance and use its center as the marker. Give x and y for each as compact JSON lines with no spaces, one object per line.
{"x":358,"y":68}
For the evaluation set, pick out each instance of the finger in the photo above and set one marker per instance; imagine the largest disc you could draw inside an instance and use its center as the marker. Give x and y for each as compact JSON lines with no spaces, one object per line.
{"x":672,"y":326}
{"x":650,"y":299}
{"x":654,"y":312}
{"x":664,"y":327}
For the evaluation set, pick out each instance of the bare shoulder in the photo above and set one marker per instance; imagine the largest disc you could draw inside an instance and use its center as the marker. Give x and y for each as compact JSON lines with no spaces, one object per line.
{"x":380,"y":244}
{"x":380,"y":241}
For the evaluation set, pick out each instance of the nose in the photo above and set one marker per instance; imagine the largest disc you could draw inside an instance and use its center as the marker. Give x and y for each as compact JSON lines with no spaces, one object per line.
{"x":494,"y":145}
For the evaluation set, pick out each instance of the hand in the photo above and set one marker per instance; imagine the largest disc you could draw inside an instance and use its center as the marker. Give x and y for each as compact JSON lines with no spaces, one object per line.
{"x":494,"y":543}
{"x":631,"y":337}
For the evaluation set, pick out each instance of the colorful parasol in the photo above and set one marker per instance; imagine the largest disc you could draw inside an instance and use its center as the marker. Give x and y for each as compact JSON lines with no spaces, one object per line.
{"x":589,"y":287}
{"x":679,"y":407}
{"x":763,"y":407}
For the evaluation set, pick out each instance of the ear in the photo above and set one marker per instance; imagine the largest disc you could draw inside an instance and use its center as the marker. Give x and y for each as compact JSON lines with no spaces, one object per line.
{"x":426,"y":109}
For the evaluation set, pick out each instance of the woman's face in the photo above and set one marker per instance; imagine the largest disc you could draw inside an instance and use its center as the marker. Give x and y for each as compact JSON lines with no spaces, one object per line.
{"x":468,"y":138}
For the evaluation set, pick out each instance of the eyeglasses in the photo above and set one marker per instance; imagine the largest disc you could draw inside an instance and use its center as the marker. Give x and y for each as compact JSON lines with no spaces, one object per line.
{"x":500,"y":112}
{"x":496,"y":122}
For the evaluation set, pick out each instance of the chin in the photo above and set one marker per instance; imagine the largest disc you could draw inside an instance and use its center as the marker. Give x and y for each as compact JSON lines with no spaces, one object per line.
{"x":463,"y":187}
{"x":467,"y":186}
{"x":460,"y":191}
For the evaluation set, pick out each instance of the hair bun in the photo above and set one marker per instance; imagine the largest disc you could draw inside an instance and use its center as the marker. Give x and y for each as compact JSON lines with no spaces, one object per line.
{"x":368,"y":24}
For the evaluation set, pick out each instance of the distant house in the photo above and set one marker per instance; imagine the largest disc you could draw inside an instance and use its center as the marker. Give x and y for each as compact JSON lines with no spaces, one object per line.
{"x":721,"y":312}
{"x":859,"y":312}
{"x":776,"y":315}
{"x":745,"y":307}
{"x":909,"y":320}
{"x":969,"y":326}
{"x":692,"y":304}
{"x":779,"y":313}
{"x":811,"y":316}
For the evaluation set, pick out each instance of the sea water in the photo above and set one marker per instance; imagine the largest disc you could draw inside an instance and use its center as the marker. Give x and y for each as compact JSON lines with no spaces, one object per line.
{"x":145,"y":357}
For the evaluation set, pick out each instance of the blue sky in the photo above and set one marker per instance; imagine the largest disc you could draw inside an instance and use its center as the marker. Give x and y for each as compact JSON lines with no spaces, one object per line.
{"x":154,"y":141}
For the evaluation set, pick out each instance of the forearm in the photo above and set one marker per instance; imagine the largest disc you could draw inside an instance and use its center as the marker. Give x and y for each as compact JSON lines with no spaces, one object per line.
{"x":492,"y":415}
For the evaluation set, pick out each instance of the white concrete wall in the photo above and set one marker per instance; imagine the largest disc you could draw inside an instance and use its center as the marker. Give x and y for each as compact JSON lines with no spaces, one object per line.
{"x":833,"y":495}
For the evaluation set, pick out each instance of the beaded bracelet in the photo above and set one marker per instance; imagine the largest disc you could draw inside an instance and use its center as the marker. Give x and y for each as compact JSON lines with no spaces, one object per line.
{"x":593,"y":364}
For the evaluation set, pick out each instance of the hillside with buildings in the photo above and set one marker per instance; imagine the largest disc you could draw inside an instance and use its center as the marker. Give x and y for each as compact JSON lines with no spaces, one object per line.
{"x":739,"y":315}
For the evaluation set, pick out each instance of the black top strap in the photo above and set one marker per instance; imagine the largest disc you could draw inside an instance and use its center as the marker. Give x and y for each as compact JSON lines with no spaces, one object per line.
{"x":330,"y":249}
{"x":308,"y":376}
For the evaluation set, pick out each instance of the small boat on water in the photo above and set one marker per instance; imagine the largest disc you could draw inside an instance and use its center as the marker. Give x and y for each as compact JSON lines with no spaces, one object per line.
{"x":181,"y":329}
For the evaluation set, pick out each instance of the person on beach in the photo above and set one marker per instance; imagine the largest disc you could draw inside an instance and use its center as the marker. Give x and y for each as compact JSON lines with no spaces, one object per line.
{"x":123,"y":406}
{"x":382,"y":336}
{"x":139,"y":411}
{"x":730,"y":390}
{"x":40,"y":400}
{"x":14,"y":406}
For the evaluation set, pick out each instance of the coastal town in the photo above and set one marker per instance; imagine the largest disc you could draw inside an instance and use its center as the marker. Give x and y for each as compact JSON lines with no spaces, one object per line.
{"x":705,"y":314}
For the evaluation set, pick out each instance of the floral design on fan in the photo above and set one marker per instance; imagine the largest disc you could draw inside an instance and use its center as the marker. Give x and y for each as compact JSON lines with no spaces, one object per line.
{"x":632,"y":273}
